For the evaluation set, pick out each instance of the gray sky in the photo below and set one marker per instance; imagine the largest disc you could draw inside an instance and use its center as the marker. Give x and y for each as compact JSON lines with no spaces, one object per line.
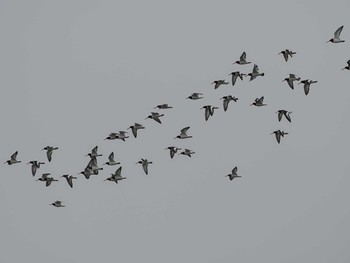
{"x":74,"y":71}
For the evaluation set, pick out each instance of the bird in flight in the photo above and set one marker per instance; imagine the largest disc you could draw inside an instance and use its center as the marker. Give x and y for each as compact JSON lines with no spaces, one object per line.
{"x":336,"y":38}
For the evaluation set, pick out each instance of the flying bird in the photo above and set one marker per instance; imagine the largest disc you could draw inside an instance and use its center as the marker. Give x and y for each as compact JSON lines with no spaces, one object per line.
{"x":242,"y":60}
{"x":144,"y":163}
{"x":286,"y":54}
{"x":233,"y":174}
{"x":45,"y":178}
{"x":187,"y":152}
{"x":183,"y":134}
{"x":173,"y":150}
{"x":236,"y":75}
{"x":163,"y":106}
{"x":209,"y":111}
{"x":307,"y":84}
{"x":290,"y":80}
{"x":134,"y":128}
{"x":336,"y":38}
{"x":111,"y":160}
{"x":93,"y":166}
{"x":57,"y":204}
{"x":49,"y":150}
{"x":155,"y":116}
{"x":226,"y":101}
{"x":69,"y":179}
{"x":348,"y":66}
{"x":13,"y":159}
{"x":195,"y":96}
{"x":116,"y":176}
{"x":284,"y":113}
{"x":94,"y":153}
{"x":218,"y":83}
{"x":255,"y":73}
{"x":35,"y":166}
{"x":87,"y":172}
{"x":259,"y":102}
{"x":278,"y":134}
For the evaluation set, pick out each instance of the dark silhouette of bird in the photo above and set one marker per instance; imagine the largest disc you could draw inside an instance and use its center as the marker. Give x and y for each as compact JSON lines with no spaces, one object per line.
{"x":49,"y":150}
{"x":13,"y":159}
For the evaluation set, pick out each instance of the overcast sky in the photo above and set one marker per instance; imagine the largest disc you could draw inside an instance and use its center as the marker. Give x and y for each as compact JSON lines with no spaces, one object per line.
{"x":74,"y":71}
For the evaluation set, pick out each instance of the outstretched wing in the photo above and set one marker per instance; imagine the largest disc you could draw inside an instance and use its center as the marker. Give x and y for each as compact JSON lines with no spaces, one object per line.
{"x":338,"y":31}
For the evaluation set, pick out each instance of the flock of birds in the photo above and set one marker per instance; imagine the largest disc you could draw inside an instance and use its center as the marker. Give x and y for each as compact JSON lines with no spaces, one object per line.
{"x":93,"y":168}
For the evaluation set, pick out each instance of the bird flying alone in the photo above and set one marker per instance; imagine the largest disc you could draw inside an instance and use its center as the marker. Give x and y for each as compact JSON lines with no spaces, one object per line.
{"x":187,"y":152}
{"x":348,"y":66}
{"x":57,"y":204}
{"x":255,"y":73}
{"x":233,"y":174}
{"x":134,"y":128}
{"x":336,"y":38}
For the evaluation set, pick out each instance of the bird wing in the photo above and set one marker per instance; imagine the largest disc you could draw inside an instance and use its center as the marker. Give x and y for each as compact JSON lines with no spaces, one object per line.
{"x":94,"y":150}
{"x":34,"y":167}
{"x":338,"y":31}
{"x":111,"y":157}
{"x":243,"y":57}
{"x":207,"y":113}
{"x":280,"y":113}
{"x":255,"y":69}
{"x":292,"y":76}
{"x":306,"y":88}
{"x":118,"y":172}
{"x":285,"y":55}
{"x":145,"y":167}
{"x":234,"y":170}
{"x":348,"y":62}
{"x":156,"y":118}
{"x":49,"y":154}
{"x":14,"y":156}
{"x":184,"y":130}
{"x":286,"y":114}
{"x":70,"y":181}
{"x":234,"y":78}
{"x":225,"y":102}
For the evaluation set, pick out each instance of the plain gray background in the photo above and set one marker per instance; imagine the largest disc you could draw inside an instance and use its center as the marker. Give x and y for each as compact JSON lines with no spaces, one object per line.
{"x":74,"y":71}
